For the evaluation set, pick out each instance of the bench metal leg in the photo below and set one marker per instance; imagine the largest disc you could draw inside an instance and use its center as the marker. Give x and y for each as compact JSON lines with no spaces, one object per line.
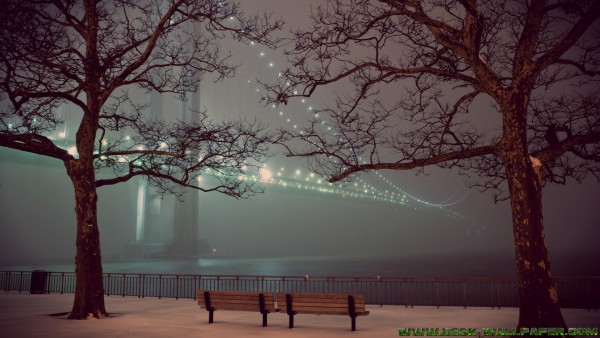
{"x":264,"y":319}
{"x":209,"y":308}
{"x":289,"y":309}
{"x":352,"y":311}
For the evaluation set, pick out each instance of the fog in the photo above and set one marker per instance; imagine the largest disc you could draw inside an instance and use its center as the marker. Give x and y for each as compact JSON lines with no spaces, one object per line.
{"x":37,"y":218}
{"x":38,"y":223}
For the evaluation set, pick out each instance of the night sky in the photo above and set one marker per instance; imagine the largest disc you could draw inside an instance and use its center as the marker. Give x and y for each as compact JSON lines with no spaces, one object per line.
{"x":37,"y":217}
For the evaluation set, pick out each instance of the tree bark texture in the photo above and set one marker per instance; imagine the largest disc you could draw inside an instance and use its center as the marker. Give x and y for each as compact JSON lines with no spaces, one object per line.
{"x":89,"y":289}
{"x":538,"y":298}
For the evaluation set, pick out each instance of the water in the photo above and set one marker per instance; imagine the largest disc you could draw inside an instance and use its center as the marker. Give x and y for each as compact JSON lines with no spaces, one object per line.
{"x":440,"y":265}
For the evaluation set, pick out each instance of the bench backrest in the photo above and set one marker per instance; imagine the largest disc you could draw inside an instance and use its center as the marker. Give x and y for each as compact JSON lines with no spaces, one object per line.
{"x":320,"y":302}
{"x":236,"y":300}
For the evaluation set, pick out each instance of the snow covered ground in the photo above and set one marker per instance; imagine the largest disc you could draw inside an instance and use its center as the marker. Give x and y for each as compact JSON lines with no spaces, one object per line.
{"x":27,"y":315}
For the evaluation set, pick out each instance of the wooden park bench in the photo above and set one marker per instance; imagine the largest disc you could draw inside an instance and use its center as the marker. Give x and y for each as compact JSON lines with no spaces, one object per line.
{"x":322,"y":304}
{"x":236,"y":301}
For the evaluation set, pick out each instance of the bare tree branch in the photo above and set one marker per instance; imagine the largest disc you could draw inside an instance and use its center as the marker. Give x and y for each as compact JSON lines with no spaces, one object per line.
{"x":417,"y":163}
{"x":35,"y":144}
{"x":89,"y":54}
{"x":426,"y":77}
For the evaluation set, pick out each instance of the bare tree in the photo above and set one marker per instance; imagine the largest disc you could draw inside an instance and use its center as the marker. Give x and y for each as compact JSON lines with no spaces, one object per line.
{"x":87,"y":54}
{"x":423,"y":78}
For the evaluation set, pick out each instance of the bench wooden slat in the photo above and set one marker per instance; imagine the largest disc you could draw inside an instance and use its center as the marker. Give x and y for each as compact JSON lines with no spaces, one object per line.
{"x":236,"y":297}
{"x":323,"y":295}
{"x":324,"y":312}
{"x":352,"y":305}
{"x":233,"y":307}
{"x":344,"y":305}
{"x":339,"y":311}
{"x":320,"y":305}
{"x":214,"y":302}
{"x":328,"y":301}
{"x":300,"y":301}
{"x":230,"y":293}
{"x":236,"y":301}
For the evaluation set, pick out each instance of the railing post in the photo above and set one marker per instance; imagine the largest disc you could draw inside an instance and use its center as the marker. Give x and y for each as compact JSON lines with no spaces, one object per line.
{"x":588,"y":294}
{"x":498,"y":293}
{"x":438,"y":294}
{"x":305,"y":282}
{"x":21,"y":281}
{"x":47,"y":279}
{"x":405,"y":283}
{"x":62,"y":282}
{"x":159,"y":286}
{"x":195,"y":286}
{"x":6,"y":279}
{"x":107,"y":291}
{"x":377,"y":286}
{"x":464,"y":283}
{"x":595,"y":301}
{"x":177,"y":287}
{"x":124,"y":284}
{"x":492,"y":292}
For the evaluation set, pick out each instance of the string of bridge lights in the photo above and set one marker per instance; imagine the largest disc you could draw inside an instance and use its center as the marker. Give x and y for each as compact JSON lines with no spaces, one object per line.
{"x":360,"y":189}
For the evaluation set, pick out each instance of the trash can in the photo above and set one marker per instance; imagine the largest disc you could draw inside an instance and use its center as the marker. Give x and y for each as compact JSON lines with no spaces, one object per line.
{"x":38,"y":281}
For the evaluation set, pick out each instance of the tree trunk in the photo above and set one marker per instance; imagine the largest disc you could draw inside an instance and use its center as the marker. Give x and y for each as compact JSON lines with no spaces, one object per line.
{"x":89,"y":289}
{"x":538,"y":299}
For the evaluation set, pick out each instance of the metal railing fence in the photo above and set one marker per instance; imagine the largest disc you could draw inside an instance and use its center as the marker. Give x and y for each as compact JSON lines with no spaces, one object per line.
{"x":467,"y":291}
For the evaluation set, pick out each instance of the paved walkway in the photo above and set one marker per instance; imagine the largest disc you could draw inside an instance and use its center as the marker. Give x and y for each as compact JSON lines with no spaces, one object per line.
{"x":27,"y":315}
